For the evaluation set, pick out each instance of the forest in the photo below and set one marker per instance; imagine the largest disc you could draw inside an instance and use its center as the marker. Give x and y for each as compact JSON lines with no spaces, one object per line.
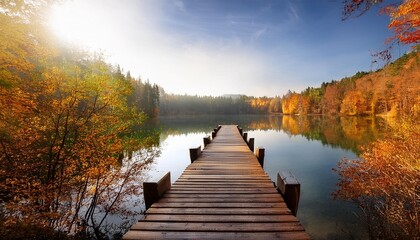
{"x":171,"y":104}
{"x":390,"y":91}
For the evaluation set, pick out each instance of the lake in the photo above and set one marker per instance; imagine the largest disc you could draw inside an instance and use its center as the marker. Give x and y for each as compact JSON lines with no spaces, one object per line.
{"x":308,"y":146}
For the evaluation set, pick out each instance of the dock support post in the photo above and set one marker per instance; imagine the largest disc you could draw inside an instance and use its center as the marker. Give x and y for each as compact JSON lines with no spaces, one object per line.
{"x":245,"y":136}
{"x":153,"y":191}
{"x":213,"y":134}
{"x":289,"y":188}
{"x":206,"y":140}
{"x":260,"y":154}
{"x":251,"y":144}
{"x":195,"y":153}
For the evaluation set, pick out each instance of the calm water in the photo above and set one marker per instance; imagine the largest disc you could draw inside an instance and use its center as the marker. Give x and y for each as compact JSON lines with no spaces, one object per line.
{"x":310,"y":147}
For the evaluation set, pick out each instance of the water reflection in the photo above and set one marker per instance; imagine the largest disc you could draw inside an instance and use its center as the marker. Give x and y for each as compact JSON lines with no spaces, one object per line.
{"x":309,"y":146}
{"x":343,"y":132}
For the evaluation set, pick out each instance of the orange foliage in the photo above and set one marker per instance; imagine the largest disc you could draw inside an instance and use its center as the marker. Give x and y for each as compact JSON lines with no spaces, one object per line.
{"x":290,"y":103}
{"x":385,"y":183}
{"x":332,"y":99}
{"x":405,"y":21}
{"x":262,"y":103}
{"x":353,"y":103}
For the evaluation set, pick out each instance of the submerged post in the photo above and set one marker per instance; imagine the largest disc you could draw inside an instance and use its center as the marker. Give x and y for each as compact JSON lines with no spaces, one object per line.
{"x":195,"y":153}
{"x":260,"y":154}
{"x":153,"y":191}
{"x":289,"y":188}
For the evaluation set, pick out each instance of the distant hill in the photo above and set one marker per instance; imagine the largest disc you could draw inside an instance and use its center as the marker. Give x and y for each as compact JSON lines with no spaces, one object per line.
{"x":233,"y":96}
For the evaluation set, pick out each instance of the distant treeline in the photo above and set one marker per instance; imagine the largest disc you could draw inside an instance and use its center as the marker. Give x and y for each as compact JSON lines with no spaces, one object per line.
{"x":171,"y":104}
{"x":391,"y":91}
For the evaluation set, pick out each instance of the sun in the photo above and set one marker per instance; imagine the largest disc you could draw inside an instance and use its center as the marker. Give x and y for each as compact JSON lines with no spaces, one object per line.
{"x":79,"y":23}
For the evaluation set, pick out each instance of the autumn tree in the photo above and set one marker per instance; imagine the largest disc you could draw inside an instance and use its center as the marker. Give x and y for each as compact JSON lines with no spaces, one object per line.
{"x":314,"y":96}
{"x":65,"y":125}
{"x":332,"y":99}
{"x":290,"y":103}
{"x":275,"y":105}
{"x":353,"y":103}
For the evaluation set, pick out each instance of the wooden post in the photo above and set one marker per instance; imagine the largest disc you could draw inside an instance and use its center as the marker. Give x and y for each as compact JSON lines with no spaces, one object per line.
{"x":153,"y":191}
{"x":289,"y":188}
{"x":213,"y":134}
{"x":240,"y":130}
{"x":245,"y":136}
{"x":251,"y":144}
{"x":206,"y":140}
{"x":260,"y":154}
{"x":195,"y":153}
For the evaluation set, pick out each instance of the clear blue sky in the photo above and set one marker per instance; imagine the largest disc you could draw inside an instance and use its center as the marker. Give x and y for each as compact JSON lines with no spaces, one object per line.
{"x":215,"y":47}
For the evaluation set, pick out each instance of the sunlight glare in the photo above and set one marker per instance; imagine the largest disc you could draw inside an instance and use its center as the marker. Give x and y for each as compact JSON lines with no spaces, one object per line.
{"x":80,"y":24}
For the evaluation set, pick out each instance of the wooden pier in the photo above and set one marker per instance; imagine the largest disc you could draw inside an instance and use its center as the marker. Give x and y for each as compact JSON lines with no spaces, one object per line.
{"x":223,"y":194}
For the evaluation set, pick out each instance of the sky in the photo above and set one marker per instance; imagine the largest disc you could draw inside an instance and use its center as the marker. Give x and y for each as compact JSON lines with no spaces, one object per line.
{"x":216,"y":47}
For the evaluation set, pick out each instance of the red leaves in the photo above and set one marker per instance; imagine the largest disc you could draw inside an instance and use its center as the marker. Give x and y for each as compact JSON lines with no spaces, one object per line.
{"x":405,"y":21}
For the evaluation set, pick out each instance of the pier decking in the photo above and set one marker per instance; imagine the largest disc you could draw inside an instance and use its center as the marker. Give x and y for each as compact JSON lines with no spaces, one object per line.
{"x":223,"y":194}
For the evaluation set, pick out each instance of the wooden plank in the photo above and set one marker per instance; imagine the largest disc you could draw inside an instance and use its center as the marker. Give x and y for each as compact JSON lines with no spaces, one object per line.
{"x":223,"y":191}
{"x":234,"y":185}
{"x":215,"y":235}
{"x":219,"y":211}
{"x":218,"y":219}
{"x":221,"y":172}
{"x":218,"y":227}
{"x":214,"y":200}
{"x":219,"y":205}
{"x":223,"y":176}
{"x":221,"y":195}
